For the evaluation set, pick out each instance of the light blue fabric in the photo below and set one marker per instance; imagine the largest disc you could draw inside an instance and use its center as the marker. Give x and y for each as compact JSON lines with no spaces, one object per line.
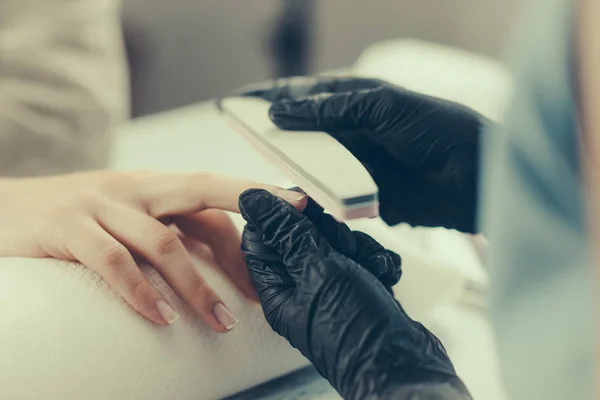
{"x":534,"y":214}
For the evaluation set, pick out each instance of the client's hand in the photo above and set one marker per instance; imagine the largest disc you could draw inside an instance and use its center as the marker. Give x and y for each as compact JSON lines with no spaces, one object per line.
{"x":327,"y":289}
{"x":104,"y":219}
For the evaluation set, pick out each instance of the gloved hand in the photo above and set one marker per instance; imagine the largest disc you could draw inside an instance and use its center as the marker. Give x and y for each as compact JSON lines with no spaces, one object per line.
{"x":422,"y":152}
{"x":327,"y":291}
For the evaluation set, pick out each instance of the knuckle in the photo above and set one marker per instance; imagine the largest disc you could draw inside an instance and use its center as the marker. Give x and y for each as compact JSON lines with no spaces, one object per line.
{"x":202,"y":178}
{"x":116,"y":257}
{"x":86,"y":200}
{"x":193,"y":182}
{"x":167,"y":242}
{"x":118,"y":181}
{"x":61,"y":215}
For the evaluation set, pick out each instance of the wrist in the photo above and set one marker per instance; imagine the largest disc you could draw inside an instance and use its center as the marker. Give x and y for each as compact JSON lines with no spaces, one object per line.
{"x":428,"y":390}
{"x":424,"y":384}
{"x":403,"y":377}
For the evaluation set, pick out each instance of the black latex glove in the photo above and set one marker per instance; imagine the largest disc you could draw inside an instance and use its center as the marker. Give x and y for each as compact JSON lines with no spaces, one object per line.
{"x":422,"y":152}
{"x":327,"y":291}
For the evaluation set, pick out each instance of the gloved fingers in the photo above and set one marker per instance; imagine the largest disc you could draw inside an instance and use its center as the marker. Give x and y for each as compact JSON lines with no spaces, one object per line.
{"x":284,"y":228}
{"x":298,"y":87}
{"x":385,"y":265}
{"x":264,"y":262}
{"x":331,"y":112}
{"x":274,"y":291}
{"x":268,"y":278}
{"x":338,"y":234}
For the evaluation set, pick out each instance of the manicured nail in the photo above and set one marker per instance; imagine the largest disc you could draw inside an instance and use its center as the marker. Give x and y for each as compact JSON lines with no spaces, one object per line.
{"x":297,"y":189}
{"x":166,"y":311}
{"x":225,"y":316}
{"x":291,"y":196}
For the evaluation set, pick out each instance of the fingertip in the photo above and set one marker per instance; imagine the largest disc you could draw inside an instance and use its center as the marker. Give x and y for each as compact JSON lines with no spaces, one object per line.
{"x":296,"y":199}
{"x":225,"y":317}
{"x":247,"y":200}
{"x":154,"y":317}
{"x":211,"y":319}
{"x":167,"y":312}
{"x":211,"y":309}
{"x":301,"y":204}
{"x":147,"y":301}
{"x":149,"y":313}
{"x":302,"y":200}
{"x":256,"y":202}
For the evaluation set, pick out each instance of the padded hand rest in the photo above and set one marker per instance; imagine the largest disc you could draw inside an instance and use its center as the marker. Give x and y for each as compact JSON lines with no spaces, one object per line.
{"x":67,"y":335}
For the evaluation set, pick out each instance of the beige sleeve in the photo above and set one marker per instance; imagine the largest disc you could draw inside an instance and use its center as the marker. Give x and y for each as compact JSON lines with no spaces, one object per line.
{"x":63,"y":84}
{"x":589,"y":85}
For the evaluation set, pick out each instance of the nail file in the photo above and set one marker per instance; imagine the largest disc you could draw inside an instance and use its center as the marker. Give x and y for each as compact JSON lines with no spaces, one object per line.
{"x":314,"y":161}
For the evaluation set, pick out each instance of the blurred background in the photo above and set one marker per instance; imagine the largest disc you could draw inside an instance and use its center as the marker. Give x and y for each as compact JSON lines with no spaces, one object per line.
{"x":185,"y":51}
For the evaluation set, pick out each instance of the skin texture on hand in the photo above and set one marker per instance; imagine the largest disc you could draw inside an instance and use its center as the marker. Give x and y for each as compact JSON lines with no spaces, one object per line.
{"x":108,"y":219}
{"x":329,"y":295}
{"x":423,"y":152}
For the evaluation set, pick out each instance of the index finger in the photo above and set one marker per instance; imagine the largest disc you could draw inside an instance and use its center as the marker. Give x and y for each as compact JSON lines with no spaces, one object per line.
{"x":189,"y":193}
{"x":298,"y":87}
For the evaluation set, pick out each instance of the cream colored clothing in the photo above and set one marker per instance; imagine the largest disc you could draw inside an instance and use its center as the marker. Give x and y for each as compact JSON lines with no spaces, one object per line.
{"x":63,"y":84}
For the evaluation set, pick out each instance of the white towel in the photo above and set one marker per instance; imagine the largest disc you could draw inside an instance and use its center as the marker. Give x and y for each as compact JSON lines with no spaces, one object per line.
{"x":66,"y":335}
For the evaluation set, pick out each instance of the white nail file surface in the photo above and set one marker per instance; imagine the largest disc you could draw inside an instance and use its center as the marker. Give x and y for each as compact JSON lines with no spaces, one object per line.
{"x":314,"y":161}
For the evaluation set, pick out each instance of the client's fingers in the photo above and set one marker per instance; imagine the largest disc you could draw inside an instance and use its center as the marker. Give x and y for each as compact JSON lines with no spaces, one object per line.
{"x":215,"y":229}
{"x":189,"y":193}
{"x":94,"y":247}
{"x":163,"y":248}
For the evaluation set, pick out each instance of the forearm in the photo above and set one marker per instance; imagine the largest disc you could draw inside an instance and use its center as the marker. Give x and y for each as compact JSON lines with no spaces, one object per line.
{"x":407,"y":369}
{"x":420,"y":385}
{"x":63,"y":86}
{"x":429,"y":391}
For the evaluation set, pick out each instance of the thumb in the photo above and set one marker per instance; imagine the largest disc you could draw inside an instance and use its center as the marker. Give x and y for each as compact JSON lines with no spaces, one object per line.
{"x":285,"y":229}
{"x":329,"y":112}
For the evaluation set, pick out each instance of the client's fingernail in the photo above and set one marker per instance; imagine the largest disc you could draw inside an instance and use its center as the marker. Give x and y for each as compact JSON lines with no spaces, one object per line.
{"x":296,"y":189}
{"x":291,"y":196}
{"x":166,"y":311}
{"x":224,"y":316}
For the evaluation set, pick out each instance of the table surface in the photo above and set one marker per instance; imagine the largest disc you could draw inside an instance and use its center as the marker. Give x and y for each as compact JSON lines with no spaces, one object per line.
{"x":197,"y":138}
{"x":194,"y":138}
